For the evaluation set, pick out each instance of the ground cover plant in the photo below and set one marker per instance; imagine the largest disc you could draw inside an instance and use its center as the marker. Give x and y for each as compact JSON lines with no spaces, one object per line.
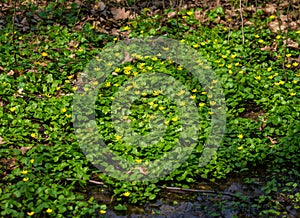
{"x":43,"y":170}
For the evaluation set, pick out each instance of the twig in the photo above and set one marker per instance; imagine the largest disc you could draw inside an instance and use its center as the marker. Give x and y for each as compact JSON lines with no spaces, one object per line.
{"x":241,"y":14}
{"x":286,"y":41}
{"x":13,"y":32}
{"x":90,"y":181}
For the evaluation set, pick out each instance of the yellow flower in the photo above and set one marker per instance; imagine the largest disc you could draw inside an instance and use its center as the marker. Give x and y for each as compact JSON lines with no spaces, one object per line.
{"x":44,"y":54}
{"x":295,"y":64}
{"x":32,"y":161}
{"x":260,"y":41}
{"x":25,"y":179}
{"x":49,"y":210}
{"x":278,"y":37}
{"x":272,"y":17}
{"x":271,"y":77}
{"x":67,"y":81}
{"x":210,"y":96}
{"x":193,"y":96}
{"x":210,"y":112}
{"x":117,"y":70}
{"x":144,"y":93}
{"x":236,"y":64}
{"x":179,"y":68}
{"x":180,"y":93}
{"x":149,"y":68}
{"x":184,"y":17}
{"x":212,"y":103}
{"x":138,"y":161}
{"x":230,"y":72}
{"x":161,"y":108}
{"x":24,"y":172}
{"x":157,"y":92}
{"x":174,"y":119}
{"x":201,"y":104}
{"x":30,"y":213}
{"x":126,"y":28}
{"x":64,"y":110}
{"x":33,"y":135}
{"x":167,"y":122}
{"x":269,"y":69}
{"x":295,"y":81}
{"x":182,"y":103}
{"x":68,"y":115}
{"x":240,"y":148}
{"x":135,"y":73}
{"x":258,"y":77}
{"x":128,"y":68}
{"x":189,"y":13}
{"x":240,"y":136}
{"x":137,"y":92}
{"x":182,"y":40}
{"x":118,"y":138}
{"x":202,"y":43}
{"x":241,"y":72}
{"x":154,"y":59}
{"x":203,"y":93}
{"x":224,"y":56}
{"x":288,"y":65}
{"x":126,"y":194}
{"x":165,"y":48}
{"x":256,"y":36}
{"x":194,"y":90}
{"x":281,"y":82}
{"x":229,"y":66}
{"x":126,"y":72}
{"x":288,"y":55}
{"x":57,"y":88}
{"x":196,"y":46}
{"x":151,"y":103}
{"x":298,"y":32}
{"x":108,"y":84}
{"x":102,"y":211}
{"x":292,"y":93}
{"x":12,"y":109}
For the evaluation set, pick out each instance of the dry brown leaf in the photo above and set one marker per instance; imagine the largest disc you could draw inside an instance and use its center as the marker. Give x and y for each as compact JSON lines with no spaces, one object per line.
{"x":120,"y":13}
{"x":1,"y":141}
{"x":172,"y":14}
{"x":291,"y":44}
{"x":275,"y":26}
{"x":10,"y":73}
{"x":127,"y":57}
{"x":272,"y":140}
{"x":270,"y":9}
{"x":24,"y":149}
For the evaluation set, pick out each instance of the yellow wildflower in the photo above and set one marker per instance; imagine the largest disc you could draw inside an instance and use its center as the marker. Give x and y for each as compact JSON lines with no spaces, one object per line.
{"x":182,"y":103}
{"x":117,"y":70}
{"x":12,"y":109}
{"x":126,"y":28}
{"x":196,"y":46}
{"x":288,"y":55}
{"x":174,"y":119}
{"x":33,"y":135}
{"x":126,"y":72}
{"x":189,"y":13}
{"x":44,"y":54}
{"x":179,"y":68}
{"x":230,"y":72}
{"x":25,"y":179}
{"x":269,"y":69}
{"x":180,"y":93}
{"x":211,"y":112}
{"x":272,"y":17}
{"x":295,"y":64}
{"x":203,"y":93}
{"x":157,"y":92}
{"x":49,"y":210}
{"x":32,"y":161}
{"x":194,"y":90}
{"x":151,"y":103}
{"x":167,"y":122}
{"x":154,"y":59}
{"x":212,"y":103}
{"x":288,"y":65}
{"x":260,"y":41}
{"x":240,"y":136}
{"x":256,"y":36}
{"x":295,"y":81}
{"x":24,"y":172}
{"x":30,"y":213}
{"x":149,"y":68}
{"x":118,"y":138}
{"x":165,"y":48}
{"x":278,"y":37}
{"x":68,"y":115}
{"x":193,"y":96}
{"x":102,"y":211}
{"x":224,"y":56}
{"x":108,"y":84}
{"x":126,"y":194}
{"x":64,"y":110}
{"x":201,"y":104}
{"x":138,"y":161}
{"x":292,"y":93}
{"x":258,"y":77}
{"x":240,"y":148}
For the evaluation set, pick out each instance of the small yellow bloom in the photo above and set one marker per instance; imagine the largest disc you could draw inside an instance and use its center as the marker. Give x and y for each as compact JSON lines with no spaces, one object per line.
{"x":30,"y":213}
{"x":179,"y":68}
{"x":240,"y":136}
{"x":128,"y":68}
{"x":288,"y":55}
{"x":117,"y":70}
{"x":137,"y":92}
{"x":203,"y":93}
{"x":68,"y":115}
{"x":281,"y":82}
{"x":64,"y":110}
{"x":232,"y":56}
{"x":295,"y":81}
{"x":196,"y":46}
{"x":182,"y":40}
{"x":33,"y":135}
{"x":151,"y":103}
{"x":138,"y":161}
{"x":240,"y":148}
{"x":126,"y":194}
{"x":126,"y":28}
{"x":118,"y":138}
{"x":236,"y":64}
{"x":161,"y":108}
{"x":278,"y":37}
{"x":212,"y":103}
{"x":57,"y":88}
{"x":74,"y":88}
{"x":184,"y":17}
{"x":270,"y":77}
{"x":288,"y":65}
{"x":194,"y":90}
{"x":174,"y":119}
{"x":12,"y":109}
{"x":224,"y":56}
{"x":144,"y":94}
{"x":182,"y":103}
{"x":20,"y":38}
{"x":230,"y":72}
{"x":298,"y":31}
{"x":25,"y":179}
{"x":165,"y":48}
{"x":258,"y":77}
{"x":102,"y":211}
{"x":95,"y":83}
{"x":210,"y":96}
{"x":202,"y":43}
{"x":295,"y":64}
{"x":32,"y":161}
{"x":154,"y":59}
{"x":44,"y":54}
{"x":108,"y":84}
{"x":292,"y":93}
{"x":189,"y":13}
{"x":260,"y":41}
{"x":157,"y":92}
{"x":49,"y":210}
{"x":272,"y":17}
{"x":149,"y":68}
{"x":229,"y":66}
{"x":256,"y":36}
{"x":180,"y":93}
{"x":211,"y":112}
{"x":67,"y":81}
{"x":126,"y":72}
{"x":269,"y":69}
{"x":193,"y":96}
{"x":241,"y":72}
{"x":24,"y":172}
{"x":201,"y":104}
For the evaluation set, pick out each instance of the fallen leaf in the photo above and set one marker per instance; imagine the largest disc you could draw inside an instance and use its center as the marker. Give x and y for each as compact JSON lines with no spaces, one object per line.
{"x":127,"y":57}
{"x":1,"y":141}
{"x":270,"y":9}
{"x":291,"y":44}
{"x":24,"y":149}
{"x":120,"y":13}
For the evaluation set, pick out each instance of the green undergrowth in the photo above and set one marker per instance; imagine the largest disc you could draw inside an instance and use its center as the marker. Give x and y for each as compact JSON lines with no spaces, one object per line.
{"x":43,"y":170}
